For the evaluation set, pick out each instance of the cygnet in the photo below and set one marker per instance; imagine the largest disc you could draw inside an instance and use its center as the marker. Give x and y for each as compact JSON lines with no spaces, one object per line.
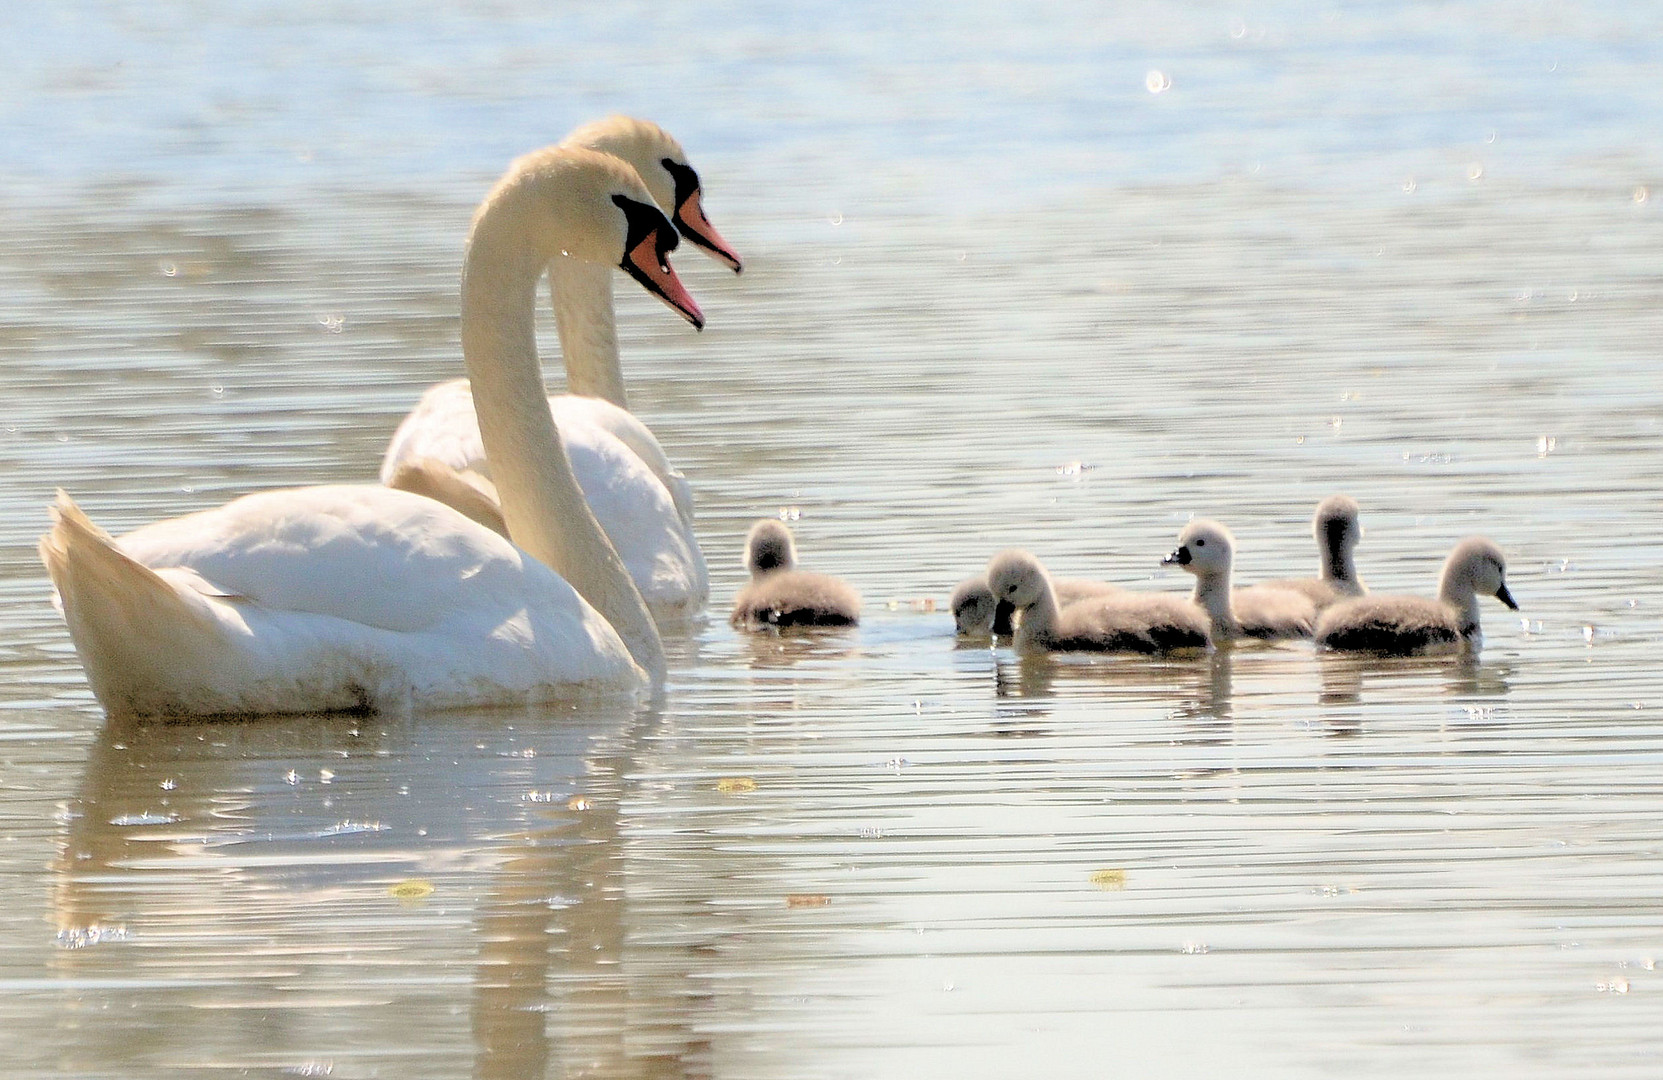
{"x":1404,"y":625}
{"x":1119,"y":622}
{"x":1206,"y":549}
{"x":977,"y":614}
{"x":1337,"y":531}
{"x":781,"y":595}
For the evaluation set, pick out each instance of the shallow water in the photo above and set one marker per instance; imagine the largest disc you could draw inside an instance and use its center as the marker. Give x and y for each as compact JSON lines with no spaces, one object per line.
{"x":997,"y":292}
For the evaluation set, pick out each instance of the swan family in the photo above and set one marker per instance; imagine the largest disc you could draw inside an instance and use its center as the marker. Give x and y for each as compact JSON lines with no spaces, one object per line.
{"x":521,"y":547}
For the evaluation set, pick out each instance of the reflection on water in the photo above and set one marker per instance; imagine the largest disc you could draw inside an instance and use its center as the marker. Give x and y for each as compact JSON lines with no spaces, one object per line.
{"x":997,"y":292}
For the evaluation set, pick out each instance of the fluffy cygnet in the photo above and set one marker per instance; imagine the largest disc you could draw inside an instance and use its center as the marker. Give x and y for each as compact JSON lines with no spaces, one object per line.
{"x":781,"y":595}
{"x":1118,"y":622}
{"x":1206,"y":549}
{"x":1402,"y":625}
{"x":1337,"y":531}
{"x":976,"y":613}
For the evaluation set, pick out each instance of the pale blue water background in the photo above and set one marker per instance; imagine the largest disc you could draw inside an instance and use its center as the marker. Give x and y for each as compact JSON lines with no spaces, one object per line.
{"x":997,"y":292}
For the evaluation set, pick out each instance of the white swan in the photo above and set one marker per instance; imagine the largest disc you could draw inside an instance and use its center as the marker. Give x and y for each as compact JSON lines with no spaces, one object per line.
{"x":1405,"y":625}
{"x":1207,"y":550}
{"x":363,"y":597}
{"x":644,"y":505}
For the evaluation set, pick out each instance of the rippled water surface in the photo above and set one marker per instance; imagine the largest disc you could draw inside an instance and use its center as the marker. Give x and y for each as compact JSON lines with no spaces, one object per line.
{"x":1055,"y":278}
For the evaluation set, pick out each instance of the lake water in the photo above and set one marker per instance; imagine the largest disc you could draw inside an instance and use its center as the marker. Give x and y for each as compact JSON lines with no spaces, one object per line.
{"x":1043,"y":276}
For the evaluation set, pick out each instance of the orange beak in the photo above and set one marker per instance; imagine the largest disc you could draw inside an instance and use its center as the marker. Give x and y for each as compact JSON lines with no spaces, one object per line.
{"x":692,"y":223}
{"x":655,"y":275}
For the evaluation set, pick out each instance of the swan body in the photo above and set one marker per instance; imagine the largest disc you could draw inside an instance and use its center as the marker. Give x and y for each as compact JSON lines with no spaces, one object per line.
{"x":1207,"y":550}
{"x":635,"y":503}
{"x":259,"y":606}
{"x":1337,"y":532}
{"x":1137,"y":622}
{"x":779,"y":594}
{"x":643,"y":503}
{"x":1406,"y":625}
{"x":336,"y":597}
{"x":977,"y":614}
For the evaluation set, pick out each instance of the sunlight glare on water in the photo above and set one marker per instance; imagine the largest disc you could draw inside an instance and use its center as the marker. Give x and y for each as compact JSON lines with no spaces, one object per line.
{"x":1058,"y":278}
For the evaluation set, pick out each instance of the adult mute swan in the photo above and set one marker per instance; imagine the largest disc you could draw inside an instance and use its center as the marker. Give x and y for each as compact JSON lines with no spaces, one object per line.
{"x":339,"y":597}
{"x":644,"y":505}
{"x":1337,"y":532}
{"x":781,"y":595}
{"x":1207,"y":550}
{"x":1404,"y":625}
{"x":1120,"y":622}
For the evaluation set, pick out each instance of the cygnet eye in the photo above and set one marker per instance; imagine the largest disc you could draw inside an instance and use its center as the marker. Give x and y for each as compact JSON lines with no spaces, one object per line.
{"x":1202,"y":542}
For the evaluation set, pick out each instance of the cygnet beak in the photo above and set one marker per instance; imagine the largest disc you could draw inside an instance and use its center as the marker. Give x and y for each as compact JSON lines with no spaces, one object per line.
{"x":1506,"y":597}
{"x":1181,"y":557}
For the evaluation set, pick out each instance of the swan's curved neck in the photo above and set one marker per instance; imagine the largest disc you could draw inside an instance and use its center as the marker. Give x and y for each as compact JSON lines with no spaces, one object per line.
{"x":1038,"y":626}
{"x":1212,"y":593}
{"x":588,"y":327}
{"x":541,"y":501}
{"x":1455,"y":589}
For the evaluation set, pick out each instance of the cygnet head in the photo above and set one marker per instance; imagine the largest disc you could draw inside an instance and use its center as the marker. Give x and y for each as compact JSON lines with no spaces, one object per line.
{"x":1335,"y":525}
{"x":591,"y":206}
{"x":973,"y":607}
{"x":1475,"y":568}
{"x":663,"y":167}
{"x":769,"y":547}
{"x":1205,"y":549}
{"x":1017,"y":578}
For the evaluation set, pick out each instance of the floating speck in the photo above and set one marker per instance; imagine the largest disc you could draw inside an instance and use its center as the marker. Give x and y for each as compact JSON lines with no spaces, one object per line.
{"x":1111,"y":879}
{"x":411,"y":890}
{"x":807,"y":900}
{"x":735,"y":785}
{"x":1157,"y":82}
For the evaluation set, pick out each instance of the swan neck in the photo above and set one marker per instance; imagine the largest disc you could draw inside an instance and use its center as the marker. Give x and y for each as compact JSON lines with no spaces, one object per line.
{"x":588,"y":328}
{"x":1338,"y":568}
{"x":1455,"y":590}
{"x":1037,"y":627}
{"x":1213,"y":595}
{"x":543,"y":506}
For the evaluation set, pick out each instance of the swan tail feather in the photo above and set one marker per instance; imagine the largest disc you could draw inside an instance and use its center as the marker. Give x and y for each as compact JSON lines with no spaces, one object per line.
{"x":133,"y":629}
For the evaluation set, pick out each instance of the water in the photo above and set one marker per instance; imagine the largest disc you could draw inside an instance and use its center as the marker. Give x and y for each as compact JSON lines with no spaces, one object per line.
{"x":997,"y":292}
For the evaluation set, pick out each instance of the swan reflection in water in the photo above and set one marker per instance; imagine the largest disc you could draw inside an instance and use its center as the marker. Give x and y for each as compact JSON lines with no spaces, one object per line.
{"x":1462,"y":675}
{"x":320,"y":877}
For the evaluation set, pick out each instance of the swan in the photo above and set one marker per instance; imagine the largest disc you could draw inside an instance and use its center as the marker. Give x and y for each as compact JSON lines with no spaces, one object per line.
{"x":977,"y":614}
{"x":1207,"y":549}
{"x":1337,"y":531}
{"x":1140,"y":622}
{"x":644,"y":505}
{"x":363,"y":597}
{"x":1403,"y":625}
{"x":781,"y":595}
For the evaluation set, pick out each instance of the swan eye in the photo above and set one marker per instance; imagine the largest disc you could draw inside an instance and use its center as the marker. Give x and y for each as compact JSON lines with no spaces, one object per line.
{"x":1201,"y":543}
